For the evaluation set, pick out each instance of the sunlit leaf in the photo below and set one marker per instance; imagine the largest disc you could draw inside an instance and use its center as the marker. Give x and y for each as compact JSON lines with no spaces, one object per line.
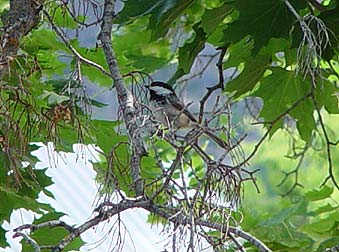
{"x":323,"y":193}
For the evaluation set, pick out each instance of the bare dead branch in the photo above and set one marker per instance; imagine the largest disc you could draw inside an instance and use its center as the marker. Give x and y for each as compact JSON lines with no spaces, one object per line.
{"x":312,"y":44}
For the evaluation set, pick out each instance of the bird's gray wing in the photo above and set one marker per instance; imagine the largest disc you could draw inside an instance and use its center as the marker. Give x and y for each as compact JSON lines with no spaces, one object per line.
{"x":179,"y":105}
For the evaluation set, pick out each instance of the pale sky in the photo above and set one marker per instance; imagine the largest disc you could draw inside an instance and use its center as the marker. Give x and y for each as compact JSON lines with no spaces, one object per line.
{"x":75,"y":192}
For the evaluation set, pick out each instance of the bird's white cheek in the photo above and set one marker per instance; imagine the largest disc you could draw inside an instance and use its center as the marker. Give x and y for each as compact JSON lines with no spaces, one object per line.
{"x":161,"y":90}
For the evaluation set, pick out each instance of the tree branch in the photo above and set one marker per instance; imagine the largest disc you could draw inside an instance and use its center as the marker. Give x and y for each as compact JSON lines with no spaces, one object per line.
{"x":29,"y":240}
{"x":183,"y":220}
{"x":220,"y":84}
{"x":72,"y":49}
{"x":317,"y":5}
{"x":108,"y":209}
{"x":125,"y":98}
{"x":22,"y":17}
{"x":328,"y":146}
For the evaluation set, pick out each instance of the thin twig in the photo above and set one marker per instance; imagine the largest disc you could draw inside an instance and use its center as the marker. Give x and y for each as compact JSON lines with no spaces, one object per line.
{"x":72,"y":49}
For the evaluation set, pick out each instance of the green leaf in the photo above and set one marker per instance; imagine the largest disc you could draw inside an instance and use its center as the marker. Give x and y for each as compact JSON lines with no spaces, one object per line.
{"x":323,"y":226}
{"x":136,"y":51}
{"x":110,"y":142}
{"x":42,"y":39}
{"x":67,"y":136}
{"x":24,"y":196}
{"x":12,"y":200}
{"x":136,"y":8}
{"x":97,"y":76}
{"x":149,"y":169}
{"x":249,"y":77}
{"x":93,"y":74}
{"x":165,"y":151}
{"x":239,"y":52}
{"x":274,"y":46}
{"x":279,"y":91}
{"x":54,"y":98}
{"x":323,"y":209}
{"x":4,"y":4}
{"x":279,"y":217}
{"x":213,"y":17}
{"x":156,"y":219}
{"x":326,"y":95}
{"x":98,"y":104}
{"x":106,"y":137}
{"x":303,"y":113}
{"x":189,"y":52}
{"x":48,"y":236}
{"x":282,"y":237}
{"x":147,"y":63}
{"x":51,"y":63}
{"x":331,"y":20}
{"x":321,"y":194}
{"x":63,"y":19}
{"x":49,"y":217}
{"x":328,"y":243}
{"x":3,"y":241}
{"x":165,"y":15}
{"x":262,"y":20}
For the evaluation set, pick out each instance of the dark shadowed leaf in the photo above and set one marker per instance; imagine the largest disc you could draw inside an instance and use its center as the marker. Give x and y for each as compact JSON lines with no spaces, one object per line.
{"x":213,"y":17}
{"x":279,"y":91}
{"x":189,"y":52}
{"x":249,"y":77}
{"x":262,"y":20}
{"x":3,"y":242}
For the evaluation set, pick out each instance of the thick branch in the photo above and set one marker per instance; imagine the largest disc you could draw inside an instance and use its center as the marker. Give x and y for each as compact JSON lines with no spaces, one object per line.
{"x":21,"y":18}
{"x":108,"y":209}
{"x":125,"y":98}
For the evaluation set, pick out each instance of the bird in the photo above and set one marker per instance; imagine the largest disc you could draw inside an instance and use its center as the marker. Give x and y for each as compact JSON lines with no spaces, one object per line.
{"x":170,"y":111}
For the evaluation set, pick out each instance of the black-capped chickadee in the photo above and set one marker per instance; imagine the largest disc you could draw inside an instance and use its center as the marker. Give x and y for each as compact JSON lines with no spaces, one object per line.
{"x":169,"y":110}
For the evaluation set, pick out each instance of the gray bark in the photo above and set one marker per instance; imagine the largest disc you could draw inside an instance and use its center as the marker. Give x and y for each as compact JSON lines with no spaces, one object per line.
{"x":20,"y":19}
